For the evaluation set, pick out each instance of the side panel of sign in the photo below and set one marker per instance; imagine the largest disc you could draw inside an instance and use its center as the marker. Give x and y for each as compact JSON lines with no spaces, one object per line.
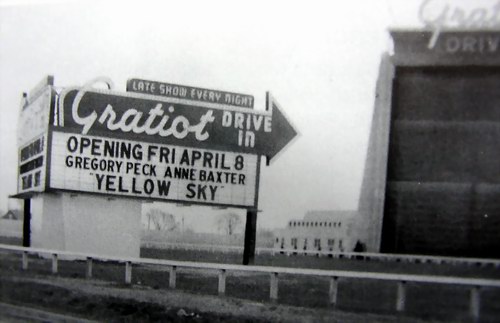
{"x":34,"y":117}
{"x":32,"y":140}
{"x":32,"y":165}
{"x":121,"y":167}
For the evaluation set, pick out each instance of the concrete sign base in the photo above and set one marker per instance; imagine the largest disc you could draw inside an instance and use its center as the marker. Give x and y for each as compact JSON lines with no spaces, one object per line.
{"x":87,"y":224}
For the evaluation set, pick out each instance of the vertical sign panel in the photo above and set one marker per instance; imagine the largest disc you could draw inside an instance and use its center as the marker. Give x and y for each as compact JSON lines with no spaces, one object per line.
{"x":32,"y":140}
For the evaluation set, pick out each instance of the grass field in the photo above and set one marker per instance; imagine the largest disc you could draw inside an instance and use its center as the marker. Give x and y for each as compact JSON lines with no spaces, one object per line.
{"x":328,"y":263}
{"x":428,"y":301}
{"x":449,"y":303}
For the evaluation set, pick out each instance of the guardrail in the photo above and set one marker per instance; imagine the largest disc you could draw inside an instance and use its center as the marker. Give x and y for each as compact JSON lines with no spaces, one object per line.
{"x":475,"y":284}
{"x":192,"y":246}
{"x":481,"y":262}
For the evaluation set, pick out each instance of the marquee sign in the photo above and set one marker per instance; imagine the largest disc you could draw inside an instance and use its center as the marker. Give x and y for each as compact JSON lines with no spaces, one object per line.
{"x":32,"y":165}
{"x":440,"y":16}
{"x":131,"y":168}
{"x":35,"y":114}
{"x":452,"y":48}
{"x":34,"y":122}
{"x":190,"y":93}
{"x":177,"y":143}
{"x":175,"y":121}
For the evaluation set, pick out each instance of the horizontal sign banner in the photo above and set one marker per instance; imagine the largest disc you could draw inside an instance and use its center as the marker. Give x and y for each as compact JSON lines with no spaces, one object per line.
{"x":153,"y":171}
{"x":190,"y":93}
{"x":174,"y":121}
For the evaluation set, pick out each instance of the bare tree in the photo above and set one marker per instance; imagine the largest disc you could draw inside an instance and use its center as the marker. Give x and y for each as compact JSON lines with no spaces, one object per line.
{"x":228,"y":223}
{"x":161,"y":220}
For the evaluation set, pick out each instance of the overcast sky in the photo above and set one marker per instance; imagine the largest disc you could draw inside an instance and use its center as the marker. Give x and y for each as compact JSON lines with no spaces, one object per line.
{"x":319,"y":60}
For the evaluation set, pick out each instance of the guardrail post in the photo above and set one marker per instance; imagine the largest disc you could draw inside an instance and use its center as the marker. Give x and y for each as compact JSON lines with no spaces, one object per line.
{"x":222,"y":282}
{"x":171,"y":281}
{"x":89,"y":268}
{"x":128,"y":272}
{"x":54,"y":263}
{"x":401,"y":297}
{"x":25,"y":260}
{"x":475,"y":303}
{"x":273,"y":293}
{"x":333,"y":290}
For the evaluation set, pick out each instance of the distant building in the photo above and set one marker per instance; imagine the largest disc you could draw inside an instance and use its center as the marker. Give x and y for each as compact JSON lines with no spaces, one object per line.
{"x":13,"y":215}
{"x":334,"y":231}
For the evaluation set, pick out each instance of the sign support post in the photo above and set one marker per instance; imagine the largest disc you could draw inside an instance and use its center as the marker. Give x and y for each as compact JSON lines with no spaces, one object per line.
{"x":250,"y":235}
{"x":27,"y":223}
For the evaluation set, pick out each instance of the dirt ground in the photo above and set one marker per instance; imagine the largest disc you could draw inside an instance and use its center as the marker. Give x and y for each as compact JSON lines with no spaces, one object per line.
{"x":111,"y":302}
